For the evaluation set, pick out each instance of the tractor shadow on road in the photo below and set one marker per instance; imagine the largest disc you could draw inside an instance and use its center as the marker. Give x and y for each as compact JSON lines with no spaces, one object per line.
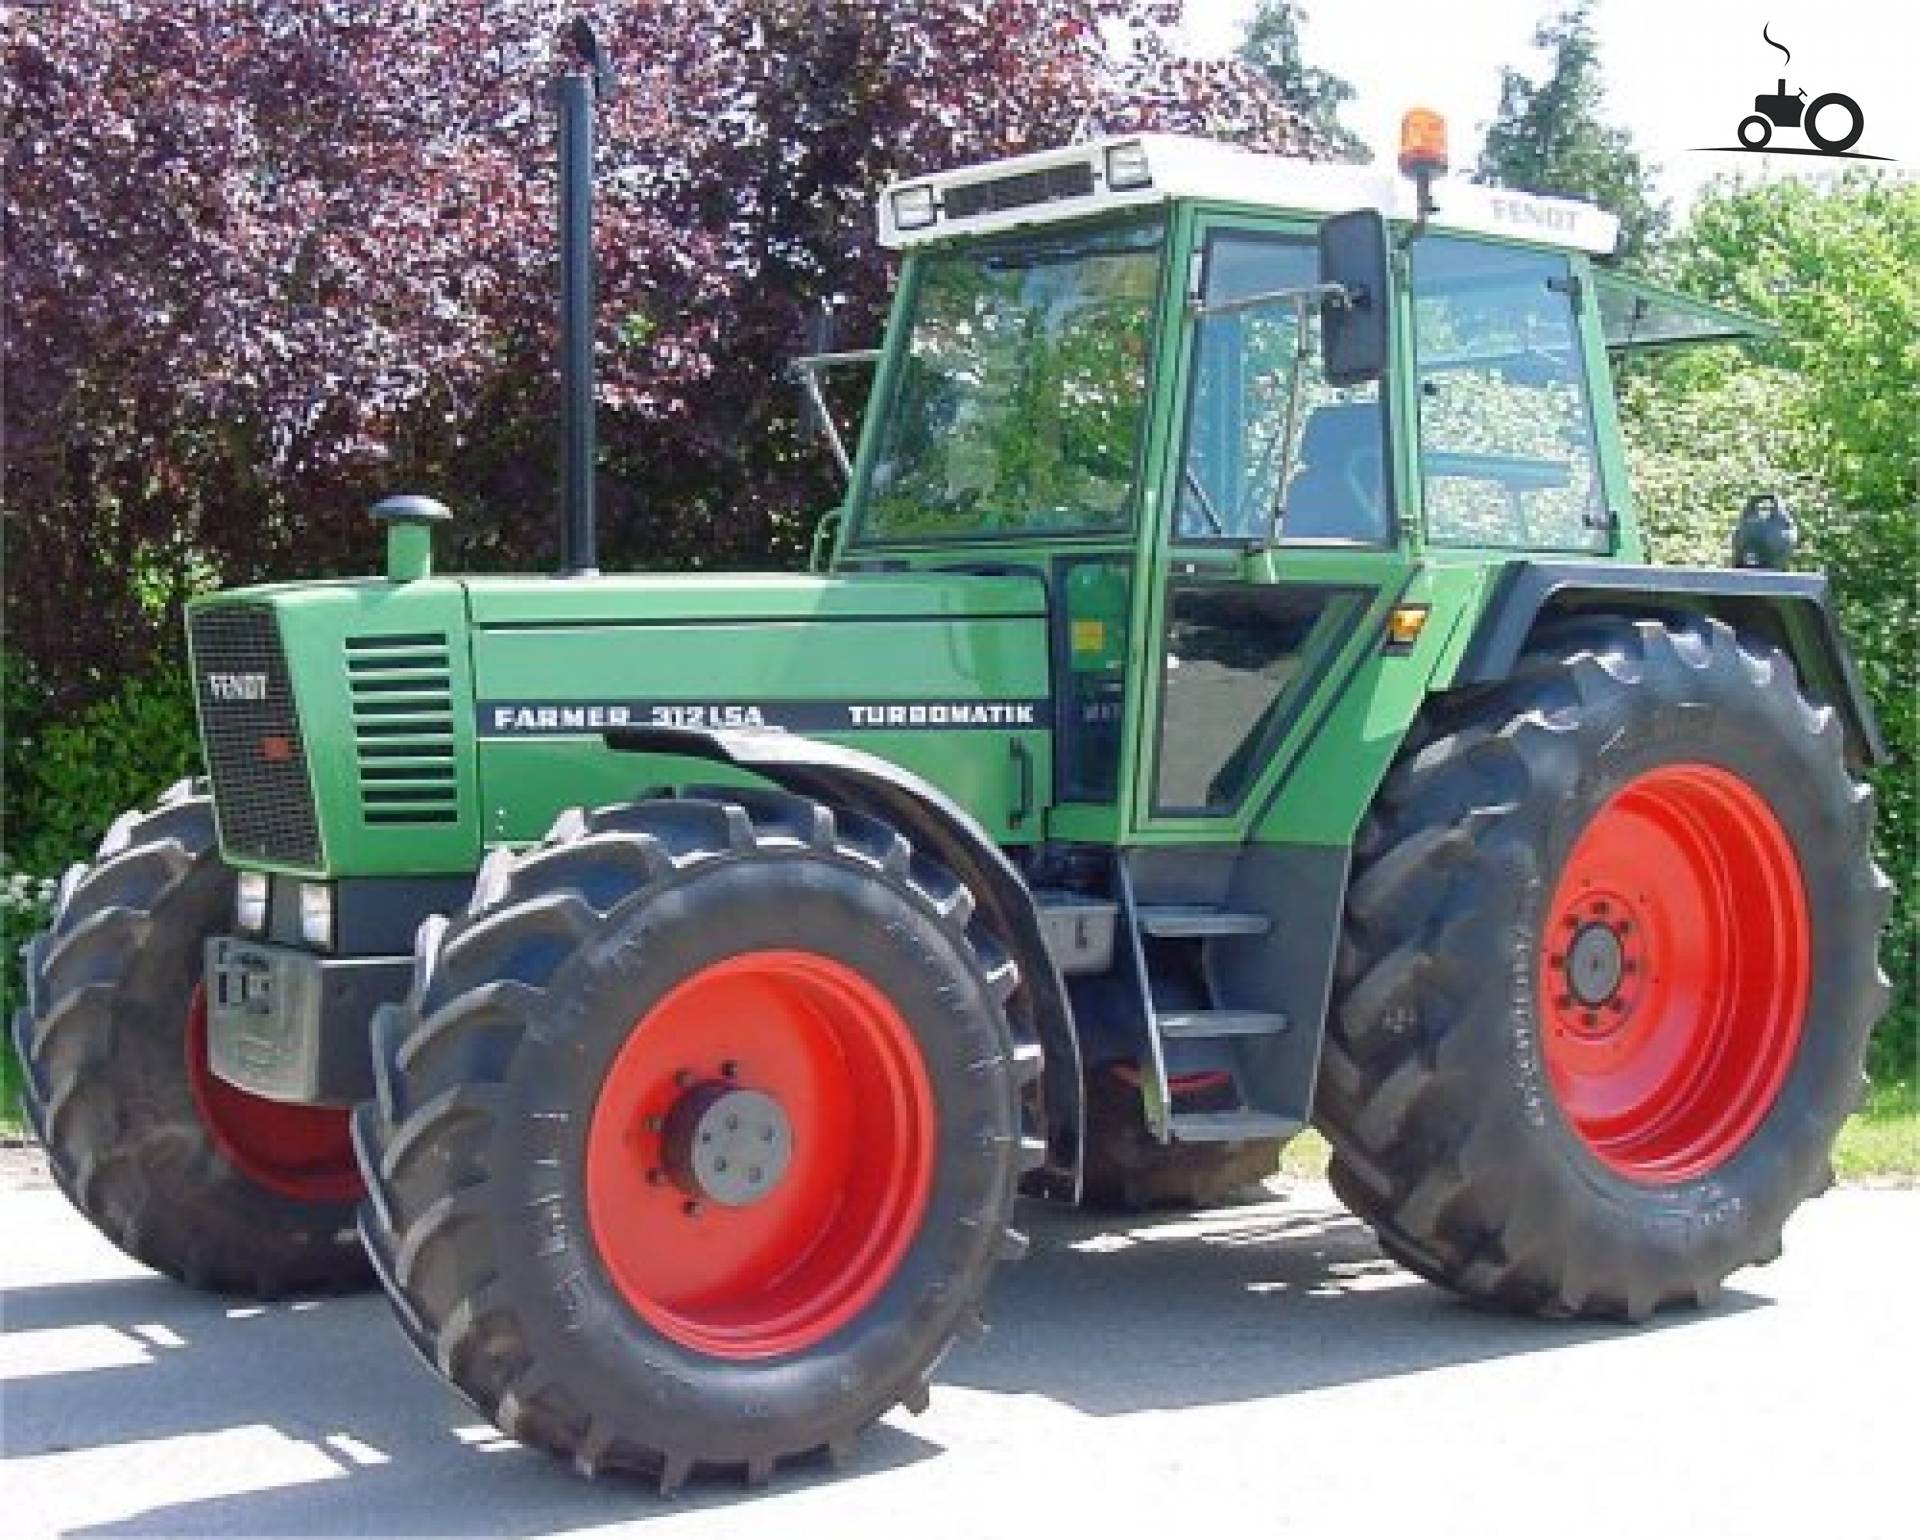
{"x":1116,"y":1315}
{"x":1105,"y":1316}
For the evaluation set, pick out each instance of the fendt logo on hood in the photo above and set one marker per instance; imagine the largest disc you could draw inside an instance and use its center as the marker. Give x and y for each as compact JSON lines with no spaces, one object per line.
{"x":225,"y":687}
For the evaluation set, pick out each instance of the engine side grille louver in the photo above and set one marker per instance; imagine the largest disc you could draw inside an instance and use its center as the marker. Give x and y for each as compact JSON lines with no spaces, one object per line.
{"x":403,"y":728}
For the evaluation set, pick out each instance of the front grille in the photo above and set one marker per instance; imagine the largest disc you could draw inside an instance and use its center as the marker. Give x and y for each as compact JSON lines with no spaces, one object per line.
{"x":255,"y":753}
{"x":403,"y":728}
{"x":1018,"y":192}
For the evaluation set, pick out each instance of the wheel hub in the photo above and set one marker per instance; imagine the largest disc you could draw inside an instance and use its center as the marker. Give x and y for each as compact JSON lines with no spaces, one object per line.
{"x":727,"y":1145}
{"x":1599,"y":964}
{"x":1593,"y":964}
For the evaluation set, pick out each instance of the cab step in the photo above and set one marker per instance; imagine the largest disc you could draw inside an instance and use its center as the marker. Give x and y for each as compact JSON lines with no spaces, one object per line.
{"x":1218,"y":1023}
{"x":1218,"y":1127}
{"x":1196,"y":922}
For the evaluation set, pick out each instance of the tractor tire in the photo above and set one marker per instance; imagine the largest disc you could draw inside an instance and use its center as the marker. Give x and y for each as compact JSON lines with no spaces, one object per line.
{"x":183,"y":1172}
{"x":1128,"y":1171}
{"x":1608,"y":975}
{"x":658,"y":989}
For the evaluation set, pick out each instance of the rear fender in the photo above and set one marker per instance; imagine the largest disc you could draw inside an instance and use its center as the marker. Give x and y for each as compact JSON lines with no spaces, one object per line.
{"x":1792,"y":610}
{"x":860,"y":782}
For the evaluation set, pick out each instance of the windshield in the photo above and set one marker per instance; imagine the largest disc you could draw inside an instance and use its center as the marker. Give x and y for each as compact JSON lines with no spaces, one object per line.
{"x":1018,"y":406}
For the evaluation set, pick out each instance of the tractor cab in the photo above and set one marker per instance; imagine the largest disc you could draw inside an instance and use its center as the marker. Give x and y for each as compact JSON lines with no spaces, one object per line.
{"x":1243,"y":416}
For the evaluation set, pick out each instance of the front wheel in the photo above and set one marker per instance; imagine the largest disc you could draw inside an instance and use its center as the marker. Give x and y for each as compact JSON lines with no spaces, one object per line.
{"x":221,"y":1189}
{"x":697,"y":1137}
{"x":1755,"y":131}
{"x":1609,"y":973}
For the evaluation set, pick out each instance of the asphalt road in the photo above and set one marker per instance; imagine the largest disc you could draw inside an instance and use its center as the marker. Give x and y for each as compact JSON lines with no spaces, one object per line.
{"x":1258,"y":1371}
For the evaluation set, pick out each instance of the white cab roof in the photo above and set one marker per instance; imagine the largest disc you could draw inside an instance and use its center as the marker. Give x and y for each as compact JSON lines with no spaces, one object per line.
{"x":1205,"y":169}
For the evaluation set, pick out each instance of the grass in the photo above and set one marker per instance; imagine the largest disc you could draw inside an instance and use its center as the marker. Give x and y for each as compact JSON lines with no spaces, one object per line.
{"x":1881,"y":1142}
{"x":12,"y":1124}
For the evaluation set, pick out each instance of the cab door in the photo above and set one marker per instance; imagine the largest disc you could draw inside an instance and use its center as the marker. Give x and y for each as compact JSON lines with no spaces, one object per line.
{"x":1278,"y":549}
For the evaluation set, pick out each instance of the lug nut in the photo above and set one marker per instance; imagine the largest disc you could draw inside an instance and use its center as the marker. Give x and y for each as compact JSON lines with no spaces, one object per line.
{"x":730,"y":1070}
{"x":683,"y":1078}
{"x":656,"y":1177}
{"x":655,"y":1124}
{"x":691,"y":1209}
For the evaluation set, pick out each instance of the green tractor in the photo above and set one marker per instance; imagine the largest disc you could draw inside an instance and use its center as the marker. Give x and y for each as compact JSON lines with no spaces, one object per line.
{"x":1232,"y":698}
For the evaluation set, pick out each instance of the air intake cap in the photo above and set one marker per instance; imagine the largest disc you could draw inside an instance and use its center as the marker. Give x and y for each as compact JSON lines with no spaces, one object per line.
{"x":410,"y":519}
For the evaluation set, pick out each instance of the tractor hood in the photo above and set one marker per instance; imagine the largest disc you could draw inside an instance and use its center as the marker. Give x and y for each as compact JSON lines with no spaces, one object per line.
{"x":646,"y":598}
{"x":375,"y":727}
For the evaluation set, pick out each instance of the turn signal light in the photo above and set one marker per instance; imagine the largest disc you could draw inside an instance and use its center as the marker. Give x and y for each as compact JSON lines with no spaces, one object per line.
{"x":1423,"y":143}
{"x":1404,"y":626}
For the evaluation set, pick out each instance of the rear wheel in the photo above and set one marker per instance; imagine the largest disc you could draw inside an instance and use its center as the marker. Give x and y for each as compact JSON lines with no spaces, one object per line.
{"x":1609,"y":972}
{"x":697,"y":1137}
{"x":182,"y":1171}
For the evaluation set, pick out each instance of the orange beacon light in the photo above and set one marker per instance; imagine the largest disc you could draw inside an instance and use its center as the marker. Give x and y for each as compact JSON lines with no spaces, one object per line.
{"x":1423,"y":154}
{"x":1423,"y":143}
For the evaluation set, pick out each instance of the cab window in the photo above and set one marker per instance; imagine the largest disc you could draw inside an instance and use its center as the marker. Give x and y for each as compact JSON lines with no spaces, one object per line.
{"x":1272,"y":450}
{"x":1507,"y":453}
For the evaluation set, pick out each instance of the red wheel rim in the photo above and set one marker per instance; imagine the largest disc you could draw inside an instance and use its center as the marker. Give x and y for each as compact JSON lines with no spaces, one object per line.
{"x":752,"y":1277}
{"x":1674,"y":973}
{"x":304,"y":1153}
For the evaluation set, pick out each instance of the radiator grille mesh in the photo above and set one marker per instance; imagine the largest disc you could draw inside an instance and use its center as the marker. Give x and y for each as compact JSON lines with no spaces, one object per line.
{"x":255,"y":753}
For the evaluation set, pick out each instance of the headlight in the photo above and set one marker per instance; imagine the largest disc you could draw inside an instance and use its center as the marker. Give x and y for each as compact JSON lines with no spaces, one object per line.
{"x":913,"y":208}
{"x":250,"y":902}
{"x":316,"y":913}
{"x":1127,"y":167}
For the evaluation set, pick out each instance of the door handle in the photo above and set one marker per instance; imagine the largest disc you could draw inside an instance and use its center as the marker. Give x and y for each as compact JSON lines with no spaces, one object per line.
{"x":1022,"y":758}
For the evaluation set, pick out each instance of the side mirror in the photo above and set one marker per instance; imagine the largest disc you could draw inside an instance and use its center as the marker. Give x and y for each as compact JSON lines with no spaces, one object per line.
{"x":1353,"y":325}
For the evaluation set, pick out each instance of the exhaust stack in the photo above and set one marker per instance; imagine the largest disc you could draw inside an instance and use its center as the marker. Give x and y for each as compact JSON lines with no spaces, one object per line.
{"x":587,"y":76}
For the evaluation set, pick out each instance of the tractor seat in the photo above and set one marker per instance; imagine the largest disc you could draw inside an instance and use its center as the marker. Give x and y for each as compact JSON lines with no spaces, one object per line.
{"x":1336,"y":494}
